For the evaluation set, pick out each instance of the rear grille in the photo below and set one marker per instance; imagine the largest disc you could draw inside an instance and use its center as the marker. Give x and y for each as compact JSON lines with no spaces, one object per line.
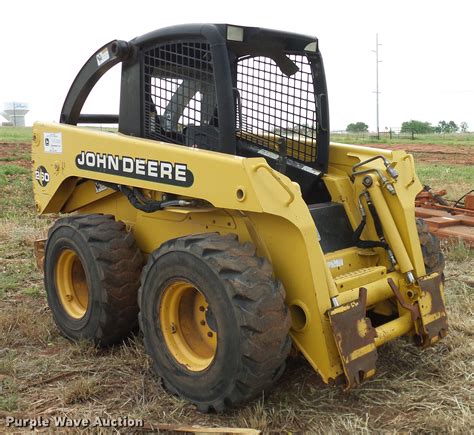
{"x":276,"y":106}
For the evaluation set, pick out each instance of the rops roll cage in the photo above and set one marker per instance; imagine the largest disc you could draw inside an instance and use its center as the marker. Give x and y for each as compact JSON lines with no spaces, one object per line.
{"x":228,"y":45}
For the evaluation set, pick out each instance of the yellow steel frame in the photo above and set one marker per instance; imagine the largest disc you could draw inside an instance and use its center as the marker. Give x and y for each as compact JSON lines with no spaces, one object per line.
{"x":250,"y":199}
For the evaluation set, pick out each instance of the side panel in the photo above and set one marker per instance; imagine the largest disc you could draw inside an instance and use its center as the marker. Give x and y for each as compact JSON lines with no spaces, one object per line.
{"x":120,"y":159}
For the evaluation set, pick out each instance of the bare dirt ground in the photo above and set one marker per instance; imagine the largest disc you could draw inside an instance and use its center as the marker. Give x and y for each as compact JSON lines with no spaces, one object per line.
{"x":18,"y":153}
{"x":8,"y":149}
{"x":44,"y":375}
{"x":428,"y":153}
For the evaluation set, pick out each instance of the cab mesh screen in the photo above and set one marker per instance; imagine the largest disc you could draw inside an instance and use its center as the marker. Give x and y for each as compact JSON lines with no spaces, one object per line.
{"x":276,"y":106}
{"x":179,"y":94}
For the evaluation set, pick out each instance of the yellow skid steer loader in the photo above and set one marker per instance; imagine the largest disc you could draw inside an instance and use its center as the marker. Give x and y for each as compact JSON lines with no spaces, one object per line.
{"x":222,"y":221}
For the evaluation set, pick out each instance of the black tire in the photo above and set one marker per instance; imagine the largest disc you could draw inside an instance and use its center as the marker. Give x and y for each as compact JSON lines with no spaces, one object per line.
{"x":100,"y":258}
{"x":430,"y":247}
{"x":248,"y":310}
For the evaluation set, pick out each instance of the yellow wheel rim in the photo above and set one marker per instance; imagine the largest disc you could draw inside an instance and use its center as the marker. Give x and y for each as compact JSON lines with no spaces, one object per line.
{"x":184,"y":316}
{"x":71,"y":284}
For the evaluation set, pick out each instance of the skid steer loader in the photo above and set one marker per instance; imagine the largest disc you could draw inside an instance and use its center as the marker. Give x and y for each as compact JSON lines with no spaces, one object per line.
{"x":220,"y":218}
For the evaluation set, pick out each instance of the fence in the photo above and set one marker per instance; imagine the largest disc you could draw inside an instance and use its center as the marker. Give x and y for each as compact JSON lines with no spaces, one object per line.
{"x":389,"y":134}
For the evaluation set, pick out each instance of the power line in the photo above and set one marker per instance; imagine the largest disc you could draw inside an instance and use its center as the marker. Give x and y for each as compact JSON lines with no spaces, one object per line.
{"x":377,"y":92}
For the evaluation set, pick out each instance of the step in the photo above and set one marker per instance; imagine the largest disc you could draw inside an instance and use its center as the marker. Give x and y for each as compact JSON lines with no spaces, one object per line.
{"x":377,"y":291}
{"x":350,"y":259}
{"x":359,"y":278}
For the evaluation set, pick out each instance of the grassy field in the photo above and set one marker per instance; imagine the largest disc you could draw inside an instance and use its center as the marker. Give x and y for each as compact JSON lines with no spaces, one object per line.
{"x":43,"y":374}
{"x":24,"y":134}
{"x":15,"y":134}
{"x":454,"y":139}
{"x":456,"y":179}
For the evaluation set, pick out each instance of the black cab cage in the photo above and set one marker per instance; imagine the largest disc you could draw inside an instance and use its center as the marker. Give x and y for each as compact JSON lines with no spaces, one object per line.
{"x":231,"y":89}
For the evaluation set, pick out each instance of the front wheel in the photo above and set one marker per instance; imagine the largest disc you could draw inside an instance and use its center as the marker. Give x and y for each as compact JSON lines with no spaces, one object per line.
{"x":430,"y":247}
{"x":214,"y":320}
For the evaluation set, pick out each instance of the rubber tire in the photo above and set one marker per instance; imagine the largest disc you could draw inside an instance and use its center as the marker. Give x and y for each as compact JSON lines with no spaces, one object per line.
{"x":252,"y":319}
{"x":112,"y":264}
{"x":430,"y":247}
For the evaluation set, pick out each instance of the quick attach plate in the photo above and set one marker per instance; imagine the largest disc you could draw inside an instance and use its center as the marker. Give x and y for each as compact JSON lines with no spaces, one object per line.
{"x":432,"y":309}
{"x":354,"y":336}
{"x":428,"y":310}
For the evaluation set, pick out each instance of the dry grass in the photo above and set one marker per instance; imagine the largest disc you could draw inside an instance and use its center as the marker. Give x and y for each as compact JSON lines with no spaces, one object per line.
{"x":43,"y":374}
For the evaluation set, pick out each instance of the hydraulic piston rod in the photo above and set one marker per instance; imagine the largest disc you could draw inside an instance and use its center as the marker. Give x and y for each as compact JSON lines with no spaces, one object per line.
{"x":390,"y":228}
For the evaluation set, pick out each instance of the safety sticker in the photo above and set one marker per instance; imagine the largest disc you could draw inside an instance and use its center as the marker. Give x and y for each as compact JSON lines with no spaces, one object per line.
{"x":53,"y":143}
{"x":337,"y":262}
{"x":102,"y":56}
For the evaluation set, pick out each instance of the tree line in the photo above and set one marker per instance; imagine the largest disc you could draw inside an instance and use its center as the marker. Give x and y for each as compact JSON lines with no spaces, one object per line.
{"x":414,"y":126}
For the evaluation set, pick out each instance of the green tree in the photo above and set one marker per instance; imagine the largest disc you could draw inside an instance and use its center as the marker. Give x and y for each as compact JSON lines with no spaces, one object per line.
{"x":441,"y":127}
{"x":446,"y":127}
{"x":357,"y":127}
{"x":463,"y":126}
{"x":414,"y":126}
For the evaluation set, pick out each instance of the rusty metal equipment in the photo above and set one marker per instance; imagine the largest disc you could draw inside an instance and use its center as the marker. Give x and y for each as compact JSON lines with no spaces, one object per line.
{"x":453,"y":220}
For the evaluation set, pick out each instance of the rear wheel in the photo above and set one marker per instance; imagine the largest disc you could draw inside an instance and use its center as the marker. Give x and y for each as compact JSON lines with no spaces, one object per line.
{"x":92,"y":271}
{"x":214,"y":320}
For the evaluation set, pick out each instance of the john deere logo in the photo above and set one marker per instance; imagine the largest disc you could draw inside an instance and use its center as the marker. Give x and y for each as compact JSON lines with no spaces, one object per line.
{"x":176,"y":174}
{"x":42,"y":176}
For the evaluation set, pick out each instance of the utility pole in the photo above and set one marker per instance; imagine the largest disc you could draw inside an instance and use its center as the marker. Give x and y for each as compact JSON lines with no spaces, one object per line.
{"x":377,"y":92}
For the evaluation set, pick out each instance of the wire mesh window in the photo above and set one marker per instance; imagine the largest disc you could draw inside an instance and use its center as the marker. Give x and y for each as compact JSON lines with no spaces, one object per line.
{"x":180,"y":95}
{"x":276,"y":106}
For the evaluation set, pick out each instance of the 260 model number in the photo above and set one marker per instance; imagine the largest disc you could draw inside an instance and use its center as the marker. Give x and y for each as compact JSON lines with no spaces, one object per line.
{"x":42,"y":176}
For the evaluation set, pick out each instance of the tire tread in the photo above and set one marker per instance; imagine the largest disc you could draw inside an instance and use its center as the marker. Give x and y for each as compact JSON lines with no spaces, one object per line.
{"x":119,"y":262}
{"x":430,"y":248}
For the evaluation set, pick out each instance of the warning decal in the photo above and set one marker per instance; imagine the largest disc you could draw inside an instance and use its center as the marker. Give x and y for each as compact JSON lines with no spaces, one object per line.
{"x":53,"y":143}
